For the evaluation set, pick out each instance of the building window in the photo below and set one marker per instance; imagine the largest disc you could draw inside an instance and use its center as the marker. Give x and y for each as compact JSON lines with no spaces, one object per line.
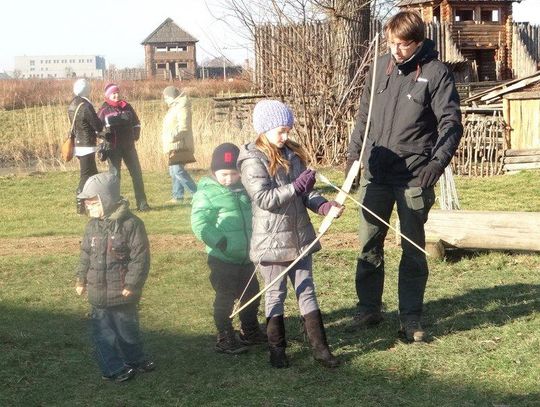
{"x":182,"y":48}
{"x":490,"y":16}
{"x":161,"y":66}
{"x":161,"y":49}
{"x":32,"y":69}
{"x":182,"y":65}
{"x":32,"y":62}
{"x":464,"y":15}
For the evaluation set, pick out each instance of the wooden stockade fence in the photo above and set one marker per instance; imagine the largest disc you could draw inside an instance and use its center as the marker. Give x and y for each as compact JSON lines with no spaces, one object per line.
{"x":525,"y":49}
{"x":482,"y":146}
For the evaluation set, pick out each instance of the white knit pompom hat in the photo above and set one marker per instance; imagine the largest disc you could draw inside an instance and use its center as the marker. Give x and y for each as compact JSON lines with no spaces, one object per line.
{"x":269,"y":114}
{"x":81,"y":88}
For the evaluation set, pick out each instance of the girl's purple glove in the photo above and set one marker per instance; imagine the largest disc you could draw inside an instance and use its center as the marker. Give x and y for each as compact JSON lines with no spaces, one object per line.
{"x":325,"y":207}
{"x":304,"y":183}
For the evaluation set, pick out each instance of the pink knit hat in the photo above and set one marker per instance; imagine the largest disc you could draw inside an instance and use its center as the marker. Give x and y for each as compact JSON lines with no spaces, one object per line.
{"x":111,"y":88}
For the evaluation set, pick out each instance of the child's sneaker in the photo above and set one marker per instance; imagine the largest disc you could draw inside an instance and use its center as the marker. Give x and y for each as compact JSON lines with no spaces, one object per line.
{"x":227,"y":343}
{"x":143,"y":367}
{"x":122,"y":376}
{"x":252,"y":335}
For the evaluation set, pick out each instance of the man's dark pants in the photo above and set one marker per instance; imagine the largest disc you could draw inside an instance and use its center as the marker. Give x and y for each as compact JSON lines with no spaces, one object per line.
{"x":413,"y":205}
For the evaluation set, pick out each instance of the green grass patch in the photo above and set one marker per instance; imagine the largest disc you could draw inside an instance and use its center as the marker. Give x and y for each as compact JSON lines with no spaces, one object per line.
{"x":482,"y":316}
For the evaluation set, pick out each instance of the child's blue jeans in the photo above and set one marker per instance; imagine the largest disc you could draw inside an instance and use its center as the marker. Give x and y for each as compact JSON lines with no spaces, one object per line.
{"x":115,"y":332}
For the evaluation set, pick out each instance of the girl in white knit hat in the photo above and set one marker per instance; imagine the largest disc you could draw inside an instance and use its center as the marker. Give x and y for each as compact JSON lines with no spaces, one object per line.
{"x":280,"y":186}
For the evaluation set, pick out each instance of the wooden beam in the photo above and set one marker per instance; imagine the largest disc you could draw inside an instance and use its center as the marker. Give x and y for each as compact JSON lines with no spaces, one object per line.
{"x":485,"y":230}
{"x":521,"y":166}
{"x":521,"y":152}
{"x":522,"y":159}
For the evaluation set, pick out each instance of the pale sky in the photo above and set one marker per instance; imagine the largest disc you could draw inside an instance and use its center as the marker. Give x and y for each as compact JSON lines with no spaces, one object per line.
{"x":111,"y":28}
{"x":115,"y":28}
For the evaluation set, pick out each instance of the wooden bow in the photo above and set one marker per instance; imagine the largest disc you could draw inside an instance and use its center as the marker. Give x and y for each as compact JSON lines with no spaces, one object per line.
{"x":325,"y":225}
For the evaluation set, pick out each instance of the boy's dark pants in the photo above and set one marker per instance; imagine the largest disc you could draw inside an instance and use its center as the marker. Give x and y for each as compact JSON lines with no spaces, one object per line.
{"x":115,"y":332}
{"x":413,"y":205}
{"x":229,"y":281}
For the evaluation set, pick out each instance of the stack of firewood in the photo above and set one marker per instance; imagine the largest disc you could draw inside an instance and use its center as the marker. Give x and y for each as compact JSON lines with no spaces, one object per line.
{"x":525,"y":159}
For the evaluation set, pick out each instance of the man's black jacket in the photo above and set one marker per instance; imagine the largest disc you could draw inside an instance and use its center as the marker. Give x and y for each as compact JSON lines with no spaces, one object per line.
{"x":415,"y":118}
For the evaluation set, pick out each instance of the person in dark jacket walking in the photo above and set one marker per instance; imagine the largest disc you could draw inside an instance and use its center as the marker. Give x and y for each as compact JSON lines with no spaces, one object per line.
{"x":221,"y":218}
{"x":85,"y":130}
{"x":122,"y":130}
{"x":274,"y":174}
{"x":114,"y":265}
{"x":414,"y":132}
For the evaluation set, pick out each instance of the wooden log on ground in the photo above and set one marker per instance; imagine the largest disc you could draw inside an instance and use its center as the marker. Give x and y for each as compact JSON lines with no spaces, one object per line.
{"x":485,"y":230}
{"x":524,"y":151}
{"x":522,"y":159}
{"x":521,"y":166}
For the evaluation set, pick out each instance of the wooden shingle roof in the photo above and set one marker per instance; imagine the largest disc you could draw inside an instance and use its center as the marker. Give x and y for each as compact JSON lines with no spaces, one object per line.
{"x":168,"y":32}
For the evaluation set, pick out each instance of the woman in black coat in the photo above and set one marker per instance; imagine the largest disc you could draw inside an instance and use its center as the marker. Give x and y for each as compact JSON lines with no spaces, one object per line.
{"x":86,"y":127}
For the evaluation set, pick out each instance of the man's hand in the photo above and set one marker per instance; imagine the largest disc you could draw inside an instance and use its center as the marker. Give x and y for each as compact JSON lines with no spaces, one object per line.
{"x":429,"y":175}
{"x":126,"y":292}
{"x":80,"y":289}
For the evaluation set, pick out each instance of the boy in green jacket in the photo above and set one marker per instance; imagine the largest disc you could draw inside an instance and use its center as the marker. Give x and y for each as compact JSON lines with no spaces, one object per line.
{"x":221,"y":218}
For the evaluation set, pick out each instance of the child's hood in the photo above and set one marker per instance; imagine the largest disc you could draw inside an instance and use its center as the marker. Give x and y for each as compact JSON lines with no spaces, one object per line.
{"x":107,"y":187}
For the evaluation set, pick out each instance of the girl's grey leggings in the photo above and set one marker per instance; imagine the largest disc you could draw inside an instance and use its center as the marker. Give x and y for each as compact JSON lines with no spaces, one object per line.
{"x":302,"y":280}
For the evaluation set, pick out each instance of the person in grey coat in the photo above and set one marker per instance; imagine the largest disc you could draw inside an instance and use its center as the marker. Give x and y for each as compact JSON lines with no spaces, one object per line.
{"x":414,"y":131}
{"x":274,"y":174}
{"x":114,"y":265}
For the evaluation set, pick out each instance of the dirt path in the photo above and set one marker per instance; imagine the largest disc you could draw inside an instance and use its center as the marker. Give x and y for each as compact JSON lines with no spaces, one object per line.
{"x":68,"y":244}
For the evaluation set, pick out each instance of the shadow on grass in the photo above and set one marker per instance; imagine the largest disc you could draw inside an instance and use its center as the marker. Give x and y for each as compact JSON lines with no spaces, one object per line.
{"x":46,"y":360}
{"x":497,"y":306}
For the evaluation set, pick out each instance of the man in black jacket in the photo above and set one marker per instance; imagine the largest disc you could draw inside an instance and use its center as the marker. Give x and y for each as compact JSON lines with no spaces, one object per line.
{"x":414,"y":132}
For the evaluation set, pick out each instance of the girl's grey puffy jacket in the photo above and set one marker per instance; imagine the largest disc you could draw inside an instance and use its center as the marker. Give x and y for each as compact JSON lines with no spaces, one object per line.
{"x":281,"y":225}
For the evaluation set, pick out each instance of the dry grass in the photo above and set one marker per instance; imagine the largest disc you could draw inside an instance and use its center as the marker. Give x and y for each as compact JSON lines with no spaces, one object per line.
{"x":34,"y":135}
{"x":34,"y":123}
{"x":24,"y":93}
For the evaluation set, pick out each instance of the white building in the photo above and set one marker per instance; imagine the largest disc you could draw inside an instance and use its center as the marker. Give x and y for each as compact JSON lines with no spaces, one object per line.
{"x":60,"y":66}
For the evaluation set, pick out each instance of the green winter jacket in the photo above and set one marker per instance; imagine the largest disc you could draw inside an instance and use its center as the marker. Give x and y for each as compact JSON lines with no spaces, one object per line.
{"x":219,"y":212}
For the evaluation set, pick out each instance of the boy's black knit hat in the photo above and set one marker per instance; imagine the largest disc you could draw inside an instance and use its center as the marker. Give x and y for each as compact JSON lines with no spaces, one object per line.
{"x":224,"y":157}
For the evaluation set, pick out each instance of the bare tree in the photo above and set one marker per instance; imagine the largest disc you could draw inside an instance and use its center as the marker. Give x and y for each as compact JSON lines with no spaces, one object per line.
{"x":313,"y":54}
